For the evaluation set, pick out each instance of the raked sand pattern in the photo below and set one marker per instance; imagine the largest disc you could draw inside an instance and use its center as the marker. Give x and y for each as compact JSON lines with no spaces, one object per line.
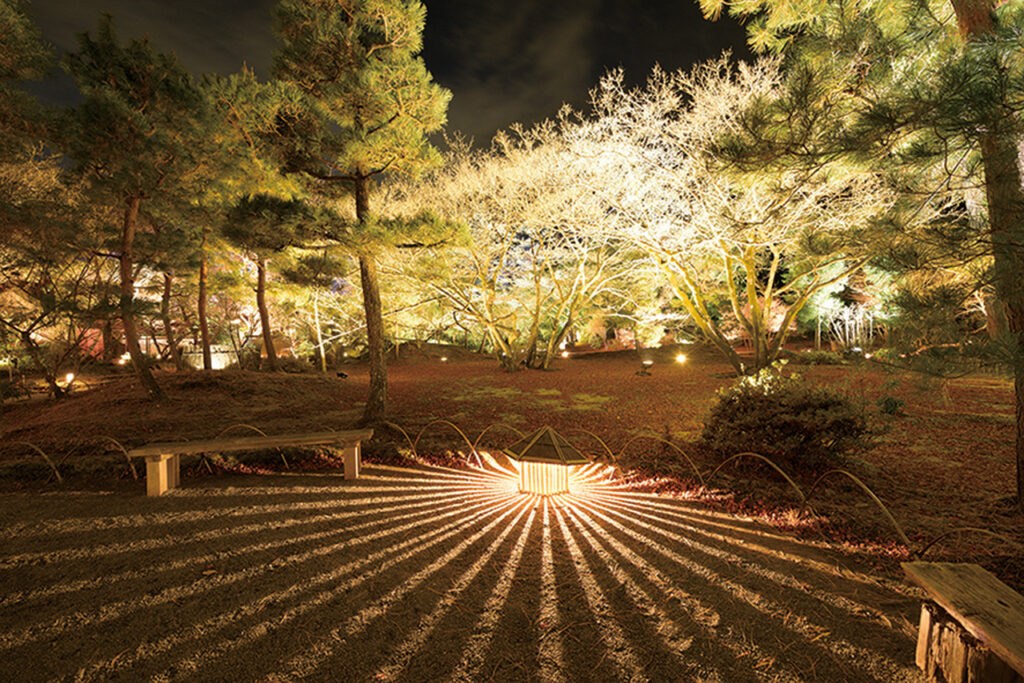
{"x":424,"y":575}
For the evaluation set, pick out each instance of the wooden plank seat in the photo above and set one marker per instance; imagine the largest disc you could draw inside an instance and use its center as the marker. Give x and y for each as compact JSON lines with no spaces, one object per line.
{"x":974,"y":629}
{"x":163,"y":463}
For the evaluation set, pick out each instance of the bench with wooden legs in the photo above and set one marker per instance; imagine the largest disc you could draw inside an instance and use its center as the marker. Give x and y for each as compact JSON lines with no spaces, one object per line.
{"x":974,"y":628}
{"x":163,"y":460}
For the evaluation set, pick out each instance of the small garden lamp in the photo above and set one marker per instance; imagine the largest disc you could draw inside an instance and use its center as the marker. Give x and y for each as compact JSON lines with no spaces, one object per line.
{"x":545,"y":459}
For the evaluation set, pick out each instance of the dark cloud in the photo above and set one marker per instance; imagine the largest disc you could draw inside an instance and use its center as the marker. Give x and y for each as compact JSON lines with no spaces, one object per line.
{"x":520,"y":61}
{"x":508,"y":61}
{"x":207,"y":35}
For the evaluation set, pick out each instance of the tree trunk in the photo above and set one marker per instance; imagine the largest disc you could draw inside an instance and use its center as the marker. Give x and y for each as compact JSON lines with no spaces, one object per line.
{"x":109,"y":352}
{"x":204,"y":326}
{"x":261,"y":304}
{"x":165,"y":316}
{"x":377,"y":401}
{"x":319,"y":332}
{"x":1005,"y":200}
{"x":35,"y":353}
{"x":131,"y":333}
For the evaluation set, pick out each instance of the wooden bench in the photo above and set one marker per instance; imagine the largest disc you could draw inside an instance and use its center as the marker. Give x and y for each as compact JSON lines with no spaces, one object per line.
{"x":163,"y":466}
{"x":974,"y":630}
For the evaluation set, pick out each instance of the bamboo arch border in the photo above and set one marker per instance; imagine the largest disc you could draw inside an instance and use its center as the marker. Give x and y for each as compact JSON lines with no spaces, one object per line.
{"x":805,"y":499}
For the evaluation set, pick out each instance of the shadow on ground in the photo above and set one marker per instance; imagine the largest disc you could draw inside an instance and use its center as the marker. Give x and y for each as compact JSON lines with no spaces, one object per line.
{"x":427,"y":574}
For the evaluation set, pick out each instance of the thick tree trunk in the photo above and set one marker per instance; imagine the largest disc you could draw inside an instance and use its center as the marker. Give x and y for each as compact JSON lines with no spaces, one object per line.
{"x":204,"y":326}
{"x":131,"y":333}
{"x":261,"y":304}
{"x":377,"y":401}
{"x":1005,"y":199}
{"x":165,"y":317}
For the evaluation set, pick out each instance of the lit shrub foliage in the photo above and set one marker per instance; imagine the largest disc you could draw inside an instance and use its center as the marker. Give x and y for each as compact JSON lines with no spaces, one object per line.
{"x":785,"y":419}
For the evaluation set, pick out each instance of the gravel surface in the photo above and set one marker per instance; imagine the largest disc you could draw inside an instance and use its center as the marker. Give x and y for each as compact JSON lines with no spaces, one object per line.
{"x":427,"y":574}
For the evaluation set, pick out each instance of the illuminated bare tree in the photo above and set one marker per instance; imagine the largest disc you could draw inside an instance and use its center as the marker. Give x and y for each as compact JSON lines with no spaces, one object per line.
{"x":532,"y":257}
{"x":762,"y":244}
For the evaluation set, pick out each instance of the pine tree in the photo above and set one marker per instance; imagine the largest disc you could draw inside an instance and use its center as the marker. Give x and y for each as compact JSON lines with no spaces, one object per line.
{"x":23,"y":56}
{"x":138,"y":137}
{"x":367,"y":105}
{"x":243,"y":128}
{"x":264,"y":225}
{"x":930,"y":90}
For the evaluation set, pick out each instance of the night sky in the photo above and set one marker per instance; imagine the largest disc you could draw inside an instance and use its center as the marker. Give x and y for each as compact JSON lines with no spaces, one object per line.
{"x":507,"y":61}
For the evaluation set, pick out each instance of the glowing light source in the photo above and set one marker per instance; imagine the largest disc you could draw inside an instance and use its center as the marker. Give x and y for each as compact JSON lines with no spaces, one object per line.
{"x":444,"y":359}
{"x":645,"y":367}
{"x":565,"y":354}
{"x":69,"y":378}
{"x":681,"y":358}
{"x":545,"y":458}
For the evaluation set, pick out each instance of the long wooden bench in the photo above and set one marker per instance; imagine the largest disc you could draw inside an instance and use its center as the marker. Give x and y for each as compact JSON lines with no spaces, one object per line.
{"x":163,"y":460}
{"x":974,"y":628}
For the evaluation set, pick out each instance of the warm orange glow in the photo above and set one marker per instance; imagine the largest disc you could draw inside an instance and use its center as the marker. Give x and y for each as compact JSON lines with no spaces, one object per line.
{"x":543,"y":478}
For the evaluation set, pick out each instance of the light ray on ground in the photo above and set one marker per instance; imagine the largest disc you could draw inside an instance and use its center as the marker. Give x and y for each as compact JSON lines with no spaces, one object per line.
{"x":677,"y":642}
{"x":800,"y":624}
{"x":310,"y":660}
{"x":851,"y":606}
{"x":618,"y":646}
{"x":115,"y":610}
{"x":458,"y":502}
{"x":418,"y":574}
{"x":375,"y":505}
{"x":469,"y":665}
{"x":552,"y":662}
{"x":379,"y":561}
{"x":50,"y":528}
{"x":405,"y":651}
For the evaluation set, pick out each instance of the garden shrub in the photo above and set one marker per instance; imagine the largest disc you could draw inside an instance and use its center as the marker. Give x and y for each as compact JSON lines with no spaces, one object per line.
{"x":784,"y":419}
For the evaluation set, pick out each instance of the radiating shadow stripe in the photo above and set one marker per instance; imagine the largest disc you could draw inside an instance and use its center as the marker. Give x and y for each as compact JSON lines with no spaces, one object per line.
{"x":348,"y":509}
{"x":118,"y":609}
{"x":476,"y":648}
{"x":434,"y":508}
{"x":550,"y":651}
{"x":677,"y":642}
{"x":616,"y":644}
{"x":703,"y":615}
{"x":799,"y":624}
{"x":386,"y":557}
{"x":399,"y":658}
{"x":853,"y":607}
{"x":52,"y":529}
{"x":309,"y":662}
